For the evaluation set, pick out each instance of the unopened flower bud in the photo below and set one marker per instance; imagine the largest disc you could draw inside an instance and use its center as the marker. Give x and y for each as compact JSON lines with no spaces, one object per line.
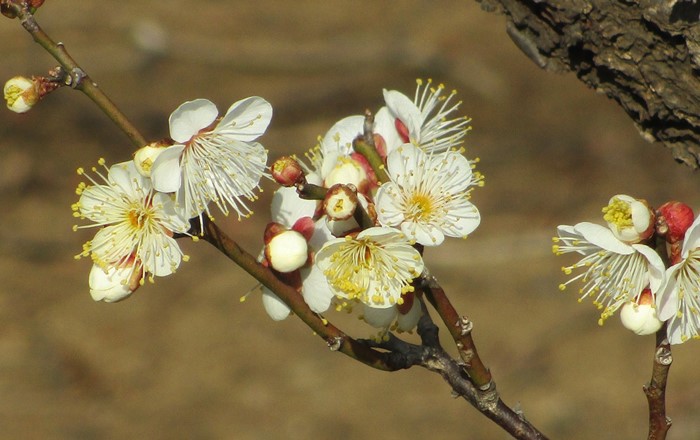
{"x":340,"y":202}
{"x":285,"y":250}
{"x":630,"y":220}
{"x":640,"y":317}
{"x":145,"y":156}
{"x":674,"y":219}
{"x":21,"y":94}
{"x":114,"y":283}
{"x":272,"y":230}
{"x":286,"y":171}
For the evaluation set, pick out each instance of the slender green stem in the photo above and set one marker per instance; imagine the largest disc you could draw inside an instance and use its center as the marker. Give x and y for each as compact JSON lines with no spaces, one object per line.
{"x":360,"y":145}
{"x":77,"y":78}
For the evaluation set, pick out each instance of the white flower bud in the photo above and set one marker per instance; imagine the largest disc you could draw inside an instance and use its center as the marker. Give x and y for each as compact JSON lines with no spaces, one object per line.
{"x":640,"y":318}
{"x":113,"y":284}
{"x":287,"y":251}
{"x":145,"y":156}
{"x":21,"y":94}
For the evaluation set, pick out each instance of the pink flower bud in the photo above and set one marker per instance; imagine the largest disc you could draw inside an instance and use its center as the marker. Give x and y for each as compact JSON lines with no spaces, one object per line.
{"x":674,"y":219}
{"x":286,"y":171}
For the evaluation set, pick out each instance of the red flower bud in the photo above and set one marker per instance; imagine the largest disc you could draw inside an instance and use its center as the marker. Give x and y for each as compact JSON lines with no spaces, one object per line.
{"x":674,"y":219}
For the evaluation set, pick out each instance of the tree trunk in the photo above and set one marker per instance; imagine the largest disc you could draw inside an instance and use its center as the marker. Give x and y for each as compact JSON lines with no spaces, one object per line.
{"x":644,"y":54}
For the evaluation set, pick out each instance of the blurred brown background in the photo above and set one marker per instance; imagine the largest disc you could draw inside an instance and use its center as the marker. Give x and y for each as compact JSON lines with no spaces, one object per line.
{"x":185,"y":359}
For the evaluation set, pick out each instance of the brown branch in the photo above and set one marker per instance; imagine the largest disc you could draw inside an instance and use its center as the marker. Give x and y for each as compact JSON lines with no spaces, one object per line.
{"x":431,"y":356}
{"x":460,"y":329}
{"x":643,"y":54}
{"x":655,"y":390}
{"x":335,"y":338}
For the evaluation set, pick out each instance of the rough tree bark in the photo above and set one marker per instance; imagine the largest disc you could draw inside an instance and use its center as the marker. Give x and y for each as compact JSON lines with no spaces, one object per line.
{"x":644,"y":54}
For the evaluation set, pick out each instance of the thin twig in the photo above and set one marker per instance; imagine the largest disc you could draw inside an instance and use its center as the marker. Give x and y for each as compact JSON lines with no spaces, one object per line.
{"x":460,"y":329}
{"x":76,"y":76}
{"x":655,"y":390}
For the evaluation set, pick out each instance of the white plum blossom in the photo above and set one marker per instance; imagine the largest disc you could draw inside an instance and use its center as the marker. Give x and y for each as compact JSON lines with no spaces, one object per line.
{"x":427,"y":121}
{"x":428,"y":195}
{"x":376,"y":267}
{"x":629,"y":219}
{"x":214,"y":161}
{"x":679,"y":300}
{"x":136,"y":223}
{"x":614,"y":272}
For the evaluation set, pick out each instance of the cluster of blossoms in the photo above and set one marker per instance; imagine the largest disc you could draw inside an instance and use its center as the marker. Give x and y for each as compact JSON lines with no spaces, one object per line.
{"x":644,"y":262}
{"x":349,"y":226}
{"x":140,"y":205}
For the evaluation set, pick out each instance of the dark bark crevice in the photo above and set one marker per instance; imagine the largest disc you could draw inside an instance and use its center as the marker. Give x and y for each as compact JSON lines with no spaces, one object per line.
{"x":643,"y":54}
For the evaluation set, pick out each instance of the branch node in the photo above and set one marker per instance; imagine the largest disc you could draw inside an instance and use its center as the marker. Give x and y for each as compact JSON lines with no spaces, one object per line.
{"x":335,"y":343}
{"x":465,"y":326}
{"x":664,"y":356}
{"x":75,"y":79}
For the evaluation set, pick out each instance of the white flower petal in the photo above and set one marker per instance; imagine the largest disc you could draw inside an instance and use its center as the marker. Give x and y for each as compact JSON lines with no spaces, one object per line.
{"x":288,"y":207}
{"x":409,"y":321}
{"x":405,"y":110}
{"x":692,"y":238}
{"x":656,"y":267}
{"x":338,"y":139}
{"x":315,"y":289}
{"x":379,"y":318}
{"x":602,"y":237}
{"x":247,"y":119}
{"x":275,"y":307}
{"x":166,"y":174}
{"x":191,"y":117}
{"x":385,"y":125}
{"x":110,"y":285}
